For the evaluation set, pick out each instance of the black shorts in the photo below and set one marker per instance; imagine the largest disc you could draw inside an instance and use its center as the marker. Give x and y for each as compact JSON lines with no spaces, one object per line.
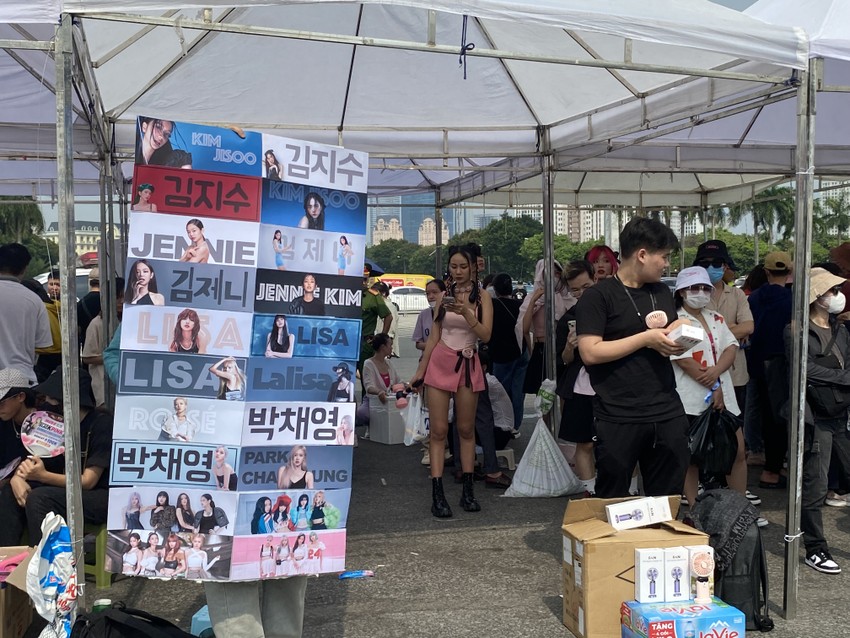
{"x":577,"y":420}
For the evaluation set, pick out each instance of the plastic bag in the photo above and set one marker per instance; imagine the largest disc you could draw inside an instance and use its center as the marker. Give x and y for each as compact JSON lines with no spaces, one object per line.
{"x":415,"y":417}
{"x":52,"y":579}
{"x":543,"y":470}
{"x":713,"y":441}
{"x":545,"y":397}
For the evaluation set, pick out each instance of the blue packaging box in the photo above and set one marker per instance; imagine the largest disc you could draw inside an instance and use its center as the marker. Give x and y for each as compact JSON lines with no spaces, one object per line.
{"x":682,"y":620}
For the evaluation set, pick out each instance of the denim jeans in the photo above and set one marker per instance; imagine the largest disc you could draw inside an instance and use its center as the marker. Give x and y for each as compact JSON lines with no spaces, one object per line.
{"x":511,"y":375}
{"x":259,"y":609}
{"x":821,"y":439}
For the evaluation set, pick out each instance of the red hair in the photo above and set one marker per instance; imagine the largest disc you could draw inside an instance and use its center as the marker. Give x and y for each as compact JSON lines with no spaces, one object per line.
{"x":594,"y":253}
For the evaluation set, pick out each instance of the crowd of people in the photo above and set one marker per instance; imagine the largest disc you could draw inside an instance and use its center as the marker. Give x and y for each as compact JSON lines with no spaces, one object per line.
{"x":630,"y":394}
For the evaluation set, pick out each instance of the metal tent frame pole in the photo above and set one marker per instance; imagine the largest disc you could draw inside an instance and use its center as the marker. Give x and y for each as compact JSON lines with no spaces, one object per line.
{"x":547,"y":185}
{"x":799,"y":321}
{"x":64,"y":53}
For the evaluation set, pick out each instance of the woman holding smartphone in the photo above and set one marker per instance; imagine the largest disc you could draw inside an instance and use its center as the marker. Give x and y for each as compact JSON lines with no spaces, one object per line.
{"x":450,"y":367}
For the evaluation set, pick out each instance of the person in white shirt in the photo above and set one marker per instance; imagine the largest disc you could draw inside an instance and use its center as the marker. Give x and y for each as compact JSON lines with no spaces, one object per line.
{"x":704,"y":369}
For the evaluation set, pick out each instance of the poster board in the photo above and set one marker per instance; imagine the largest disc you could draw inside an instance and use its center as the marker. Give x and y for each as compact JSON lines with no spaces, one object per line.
{"x":233,"y":434}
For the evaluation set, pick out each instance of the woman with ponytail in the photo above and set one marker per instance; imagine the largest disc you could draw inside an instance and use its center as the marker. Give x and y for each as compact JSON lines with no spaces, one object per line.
{"x":450,"y":367}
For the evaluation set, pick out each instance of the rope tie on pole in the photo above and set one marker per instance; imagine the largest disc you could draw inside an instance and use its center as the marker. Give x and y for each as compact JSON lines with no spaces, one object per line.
{"x":789,"y":538}
{"x":464,"y":47}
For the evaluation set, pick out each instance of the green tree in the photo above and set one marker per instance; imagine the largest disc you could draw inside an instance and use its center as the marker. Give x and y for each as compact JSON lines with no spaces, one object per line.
{"x":393,"y":255}
{"x":20,"y":220}
{"x":775,"y":208}
{"x":836,"y":215}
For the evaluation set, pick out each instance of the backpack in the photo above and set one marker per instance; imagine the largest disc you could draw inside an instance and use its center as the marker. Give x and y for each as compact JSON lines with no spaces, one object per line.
{"x":740,"y":576}
{"x":123,"y":622}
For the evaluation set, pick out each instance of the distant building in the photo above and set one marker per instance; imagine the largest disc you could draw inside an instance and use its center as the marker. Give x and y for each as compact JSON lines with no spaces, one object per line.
{"x":428,"y":232}
{"x":86,"y":235}
{"x":386,"y":229}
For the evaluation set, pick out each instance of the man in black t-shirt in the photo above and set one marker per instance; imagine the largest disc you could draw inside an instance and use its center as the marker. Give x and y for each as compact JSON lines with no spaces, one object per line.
{"x":622,"y":324}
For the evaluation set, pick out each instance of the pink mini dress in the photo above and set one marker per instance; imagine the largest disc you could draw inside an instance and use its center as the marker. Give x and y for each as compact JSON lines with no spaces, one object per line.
{"x":454,"y":362}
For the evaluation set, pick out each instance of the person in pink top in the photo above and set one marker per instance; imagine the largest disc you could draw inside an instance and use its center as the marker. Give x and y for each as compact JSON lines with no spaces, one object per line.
{"x":450,"y":366}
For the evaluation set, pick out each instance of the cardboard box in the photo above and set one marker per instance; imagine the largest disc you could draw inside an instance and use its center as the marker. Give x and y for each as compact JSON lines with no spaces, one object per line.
{"x":687,"y":335}
{"x":599,"y":563}
{"x":385,"y":422}
{"x":681,"y":620}
{"x":15,"y":605}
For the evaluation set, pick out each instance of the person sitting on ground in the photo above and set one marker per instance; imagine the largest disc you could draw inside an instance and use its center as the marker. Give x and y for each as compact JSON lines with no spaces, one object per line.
{"x":622,"y":325}
{"x":38,"y":485}
{"x":379,"y":375}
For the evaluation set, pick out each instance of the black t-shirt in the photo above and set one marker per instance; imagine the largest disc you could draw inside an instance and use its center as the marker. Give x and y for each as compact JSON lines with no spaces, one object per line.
{"x":300,"y":306}
{"x":95,"y":447}
{"x":503,"y":345}
{"x":640,"y":387}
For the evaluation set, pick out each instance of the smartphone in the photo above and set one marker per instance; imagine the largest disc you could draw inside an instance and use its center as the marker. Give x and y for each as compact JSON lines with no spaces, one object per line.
{"x":572,"y":325}
{"x":449,"y":300}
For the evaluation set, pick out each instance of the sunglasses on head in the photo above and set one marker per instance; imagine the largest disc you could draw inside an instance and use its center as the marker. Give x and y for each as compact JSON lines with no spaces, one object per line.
{"x":716,"y":263}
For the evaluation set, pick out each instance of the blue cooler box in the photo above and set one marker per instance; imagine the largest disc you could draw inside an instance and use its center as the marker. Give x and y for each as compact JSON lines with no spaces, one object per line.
{"x":682,"y":620}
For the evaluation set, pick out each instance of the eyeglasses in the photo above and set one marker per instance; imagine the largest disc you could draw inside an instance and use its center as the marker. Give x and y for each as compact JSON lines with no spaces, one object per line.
{"x":699,"y":288}
{"x":715,"y":263}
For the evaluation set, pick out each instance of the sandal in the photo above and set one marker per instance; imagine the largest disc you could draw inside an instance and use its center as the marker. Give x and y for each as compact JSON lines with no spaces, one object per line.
{"x":501,"y":482}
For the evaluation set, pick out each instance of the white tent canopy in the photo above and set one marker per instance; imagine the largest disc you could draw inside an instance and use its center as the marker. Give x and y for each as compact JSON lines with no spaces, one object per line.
{"x":410,"y":107}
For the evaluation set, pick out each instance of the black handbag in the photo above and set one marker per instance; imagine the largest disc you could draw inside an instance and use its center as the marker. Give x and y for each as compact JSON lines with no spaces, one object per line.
{"x":828,"y":401}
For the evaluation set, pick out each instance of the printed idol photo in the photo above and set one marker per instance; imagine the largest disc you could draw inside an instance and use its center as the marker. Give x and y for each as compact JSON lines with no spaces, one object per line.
{"x":299,"y":553}
{"x":142,"y":285}
{"x":162,"y":509}
{"x":294,"y":205}
{"x":143,"y":198}
{"x":155,"y":146}
{"x":184,"y":555}
{"x":178,"y":419}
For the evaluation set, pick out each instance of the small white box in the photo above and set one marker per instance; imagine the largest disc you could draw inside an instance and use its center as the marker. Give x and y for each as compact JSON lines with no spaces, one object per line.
{"x":687,"y":335}
{"x":629,"y":514}
{"x":695,"y":554}
{"x":649,"y":575}
{"x":677,"y":575}
{"x":638,"y":512}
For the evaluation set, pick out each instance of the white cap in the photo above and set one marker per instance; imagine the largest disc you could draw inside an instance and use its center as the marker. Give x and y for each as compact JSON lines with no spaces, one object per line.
{"x":692,"y":276}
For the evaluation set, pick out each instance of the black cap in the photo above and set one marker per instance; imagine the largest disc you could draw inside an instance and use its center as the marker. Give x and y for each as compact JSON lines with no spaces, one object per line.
{"x":714,"y":249}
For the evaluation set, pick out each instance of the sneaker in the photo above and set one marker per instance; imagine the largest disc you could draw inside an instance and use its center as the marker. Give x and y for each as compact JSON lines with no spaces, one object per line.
{"x":823,"y":562}
{"x":426,"y":457}
{"x":761,"y":522}
{"x":834,"y":500}
{"x":752,"y":498}
{"x":683,"y":499}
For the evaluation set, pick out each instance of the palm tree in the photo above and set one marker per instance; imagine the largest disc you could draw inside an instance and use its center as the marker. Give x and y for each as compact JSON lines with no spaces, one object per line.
{"x":837,"y":214}
{"x":774,"y":208}
{"x":18,"y":220}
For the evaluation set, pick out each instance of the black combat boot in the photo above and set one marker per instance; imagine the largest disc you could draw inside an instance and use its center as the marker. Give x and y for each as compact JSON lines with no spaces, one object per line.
{"x":440,"y":507}
{"x":467,"y":499}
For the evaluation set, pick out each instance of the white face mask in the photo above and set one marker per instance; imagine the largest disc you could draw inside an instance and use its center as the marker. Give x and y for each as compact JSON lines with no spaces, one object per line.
{"x":432,"y":304}
{"x":697,"y":299}
{"x":833,"y":304}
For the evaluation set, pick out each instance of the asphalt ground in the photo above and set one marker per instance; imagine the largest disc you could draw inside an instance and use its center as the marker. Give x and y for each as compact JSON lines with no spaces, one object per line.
{"x":492,"y":573}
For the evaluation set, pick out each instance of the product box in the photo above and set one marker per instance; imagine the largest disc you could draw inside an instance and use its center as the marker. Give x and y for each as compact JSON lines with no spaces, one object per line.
{"x":638,"y":512}
{"x":698,"y":552}
{"x":687,"y":335}
{"x":385,"y":422}
{"x":677,"y":575}
{"x":681,"y":620}
{"x":650,"y":575}
{"x":15,"y":606}
{"x":599,"y":562}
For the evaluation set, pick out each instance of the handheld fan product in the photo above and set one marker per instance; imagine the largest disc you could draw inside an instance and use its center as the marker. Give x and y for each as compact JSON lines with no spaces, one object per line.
{"x":43,"y":434}
{"x":649,"y":574}
{"x":676,"y":584}
{"x":701,"y":562}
